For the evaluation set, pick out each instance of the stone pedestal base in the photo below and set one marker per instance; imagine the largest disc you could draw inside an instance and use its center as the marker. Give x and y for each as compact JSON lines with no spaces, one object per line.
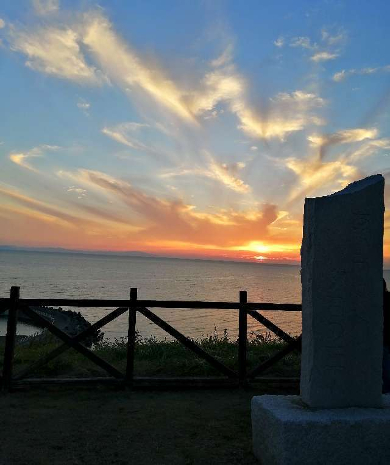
{"x":286,"y":432}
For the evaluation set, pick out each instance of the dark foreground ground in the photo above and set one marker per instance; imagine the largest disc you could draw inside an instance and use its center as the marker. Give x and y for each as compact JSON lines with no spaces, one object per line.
{"x":107,"y":426}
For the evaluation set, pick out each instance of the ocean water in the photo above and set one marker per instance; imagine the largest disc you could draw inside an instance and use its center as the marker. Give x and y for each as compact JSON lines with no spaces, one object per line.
{"x":67,"y":275}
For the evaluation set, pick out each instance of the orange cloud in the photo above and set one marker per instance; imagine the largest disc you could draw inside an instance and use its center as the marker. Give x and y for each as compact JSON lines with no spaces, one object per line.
{"x":44,"y":211}
{"x":172,"y":220}
{"x":151,"y":224}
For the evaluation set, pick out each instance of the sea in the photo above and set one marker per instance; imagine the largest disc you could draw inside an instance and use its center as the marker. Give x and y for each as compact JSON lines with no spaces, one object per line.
{"x":89,"y":276}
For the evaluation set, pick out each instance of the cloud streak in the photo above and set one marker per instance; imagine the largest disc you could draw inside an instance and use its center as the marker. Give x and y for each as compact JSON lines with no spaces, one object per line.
{"x":279,"y":42}
{"x":45,"y":7}
{"x":21,"y":158}
{"x":124,"y":66}
{"x":347,"y":136}
{"x":55,"y":51}
{"x":343,"y":75}
{"x":326,"y":51}
{"x":226,"y":174}
{"x":323,"y":56}
{"x":68,"y":52}
{"x":303,"y":42}
{"x":124,"y":134}
{"x":314,"y":173}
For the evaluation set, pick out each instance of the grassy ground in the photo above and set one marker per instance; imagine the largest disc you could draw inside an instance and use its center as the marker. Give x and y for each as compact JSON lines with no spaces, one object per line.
{"x":157,"y":358}
{"x":106,"y":426}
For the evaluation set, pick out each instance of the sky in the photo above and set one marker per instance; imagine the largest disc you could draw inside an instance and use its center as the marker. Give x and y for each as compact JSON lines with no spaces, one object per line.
{"x":187,"y":128}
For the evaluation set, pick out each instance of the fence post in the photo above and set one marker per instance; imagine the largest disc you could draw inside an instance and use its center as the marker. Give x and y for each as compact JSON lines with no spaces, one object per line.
{"x":131,"y":338}
{"x":242,"y":337}
{"x":10,"y":337}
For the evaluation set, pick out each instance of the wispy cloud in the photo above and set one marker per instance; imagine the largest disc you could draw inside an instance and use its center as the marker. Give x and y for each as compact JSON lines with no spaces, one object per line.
{"x":55,"y":52}
{"x":303,"y":42}
{"x":342,"y":75}
{"x":298,"y":100}
{"x":222,"y":85}
{"x":83,"y":222}
{"x":337,"y":38}
{"x":227,"y":174}
{"x":288,"y":113}
{"x":78,"y":191}
{"x":314,"y":174}
{"x":369,"y":148}
{"x":123,"y":65}
{"x":63,"y":52}
{"x":2,"y":23}
{"x":38,"y":206}
{"x":328,"y":49}
{"x":347,"y":136}
{"x":124,"y":134}
{"x":84,"y":106}
{"x":324,"y":56}
{"x":279,"y":42}
{"x":225,"y":57}
{"x":20,"y":158}
{"x":45,"y":7}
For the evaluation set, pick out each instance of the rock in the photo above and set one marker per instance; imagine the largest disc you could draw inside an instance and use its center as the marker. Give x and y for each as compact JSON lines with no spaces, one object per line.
{"x":342,"y":314}
{"x":285,"y":432}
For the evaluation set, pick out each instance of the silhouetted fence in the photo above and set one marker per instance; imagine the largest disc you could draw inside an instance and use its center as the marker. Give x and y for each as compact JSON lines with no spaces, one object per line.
{"x":133,"y":306}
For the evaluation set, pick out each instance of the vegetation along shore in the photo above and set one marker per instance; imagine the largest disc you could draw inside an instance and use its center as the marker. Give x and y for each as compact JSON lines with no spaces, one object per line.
{"x":154,"y":357}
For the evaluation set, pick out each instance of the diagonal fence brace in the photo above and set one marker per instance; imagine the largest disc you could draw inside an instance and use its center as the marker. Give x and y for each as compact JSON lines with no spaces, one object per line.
{"x":187,"y":342}
{"x":73,"y":344}
{"x":295,"y":345}
{"x":64,"y":347}
{"x":271,"y":326}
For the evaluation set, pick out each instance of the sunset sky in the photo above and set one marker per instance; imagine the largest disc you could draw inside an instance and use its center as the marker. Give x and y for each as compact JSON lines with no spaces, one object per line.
{"x":187,"y":128}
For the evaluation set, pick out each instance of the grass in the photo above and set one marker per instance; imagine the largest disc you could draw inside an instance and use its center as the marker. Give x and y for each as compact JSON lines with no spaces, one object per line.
{"x":157,"y":358}
{"x":98,"y":426}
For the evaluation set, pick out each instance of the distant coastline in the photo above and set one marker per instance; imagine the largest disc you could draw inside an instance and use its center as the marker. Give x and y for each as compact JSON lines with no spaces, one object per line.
{"x":135,"y":254}
{"x":12,"y":248}
{"x":139,"y":254}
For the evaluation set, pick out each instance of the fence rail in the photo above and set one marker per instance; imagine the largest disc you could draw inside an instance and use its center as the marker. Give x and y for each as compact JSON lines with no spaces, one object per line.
{"x":194,"y":304}
{"x":133,"y":305}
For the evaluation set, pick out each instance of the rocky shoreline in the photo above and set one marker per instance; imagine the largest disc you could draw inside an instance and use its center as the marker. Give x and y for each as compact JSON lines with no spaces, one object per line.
{"x":68,"y":321}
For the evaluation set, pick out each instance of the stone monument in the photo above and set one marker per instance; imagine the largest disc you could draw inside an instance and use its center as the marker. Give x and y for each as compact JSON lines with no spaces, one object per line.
{"x":341,"y":416}
{"x":342,"y":290}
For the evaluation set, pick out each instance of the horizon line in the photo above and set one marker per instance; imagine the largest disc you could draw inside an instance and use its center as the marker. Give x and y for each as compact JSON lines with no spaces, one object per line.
{"x":141,"y":254}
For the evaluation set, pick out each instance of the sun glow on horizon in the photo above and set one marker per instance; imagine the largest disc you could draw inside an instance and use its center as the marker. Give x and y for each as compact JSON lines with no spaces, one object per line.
{"x":261,"y":247}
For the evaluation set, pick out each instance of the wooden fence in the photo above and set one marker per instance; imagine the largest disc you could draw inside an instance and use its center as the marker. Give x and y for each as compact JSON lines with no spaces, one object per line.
{"x":132,"y":306}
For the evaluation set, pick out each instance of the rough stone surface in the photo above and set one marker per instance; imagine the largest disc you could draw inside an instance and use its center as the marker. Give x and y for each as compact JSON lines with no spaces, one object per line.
{"x":342,"y":317}
{"x":286,"y":432}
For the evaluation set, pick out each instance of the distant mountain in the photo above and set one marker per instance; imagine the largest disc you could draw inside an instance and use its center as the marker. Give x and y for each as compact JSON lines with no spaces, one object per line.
{"x":131,"y":253}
